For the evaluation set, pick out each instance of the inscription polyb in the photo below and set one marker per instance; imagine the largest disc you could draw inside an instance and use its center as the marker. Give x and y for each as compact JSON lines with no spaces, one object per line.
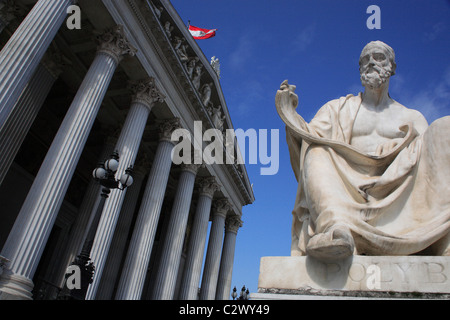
{"x":365,"y":273}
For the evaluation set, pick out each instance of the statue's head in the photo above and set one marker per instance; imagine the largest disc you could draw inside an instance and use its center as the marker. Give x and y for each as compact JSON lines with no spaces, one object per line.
{"x":376,"y":64}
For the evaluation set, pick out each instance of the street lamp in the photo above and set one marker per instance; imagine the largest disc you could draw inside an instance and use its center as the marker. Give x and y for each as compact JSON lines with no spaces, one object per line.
{"x":243,"y":294}
{"x":234,"y":293}
{"x":104,"y":174}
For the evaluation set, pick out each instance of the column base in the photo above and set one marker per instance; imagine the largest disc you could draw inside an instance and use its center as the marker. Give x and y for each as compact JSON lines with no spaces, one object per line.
{"x":15,"y":287}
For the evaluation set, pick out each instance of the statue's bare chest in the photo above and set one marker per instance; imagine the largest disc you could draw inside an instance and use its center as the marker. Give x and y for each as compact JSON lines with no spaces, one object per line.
{"x":373,"y":127}
{"x":385,"y":123}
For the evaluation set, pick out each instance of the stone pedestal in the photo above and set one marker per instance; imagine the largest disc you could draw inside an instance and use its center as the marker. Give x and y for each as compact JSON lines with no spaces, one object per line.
{"x":358,"y":277}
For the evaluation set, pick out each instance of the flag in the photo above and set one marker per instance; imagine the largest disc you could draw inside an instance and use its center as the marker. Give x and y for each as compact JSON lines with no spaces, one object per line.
{"x":199,"y":33}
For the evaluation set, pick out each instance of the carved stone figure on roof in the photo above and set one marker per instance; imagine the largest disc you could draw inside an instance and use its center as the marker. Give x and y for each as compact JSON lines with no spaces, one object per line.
{"x":205,"y":92}
{"x":180,"y":48}
{"x":168,"y":28}
{"x":197,"y":75}
{"x":190,"y":66}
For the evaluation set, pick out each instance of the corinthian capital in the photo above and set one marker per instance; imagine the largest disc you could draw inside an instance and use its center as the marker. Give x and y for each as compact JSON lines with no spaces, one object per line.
{"x":146,"y":92}
{"x":114,"y":43}
{"x":208,"y":186}
{"x":221,"y":207}
{"x":191,"y":167}
{"x":167,"y":127}
{"x":233,"y":223}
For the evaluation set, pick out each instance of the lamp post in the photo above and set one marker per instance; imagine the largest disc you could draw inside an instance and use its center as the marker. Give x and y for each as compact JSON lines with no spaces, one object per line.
{"x":105,"y":175}
{"x":243,"y":294}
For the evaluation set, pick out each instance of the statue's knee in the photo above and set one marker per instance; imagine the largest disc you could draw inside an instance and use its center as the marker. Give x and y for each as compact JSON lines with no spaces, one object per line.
{"x":329,"y":219}
{"x":316,"y":155}
{"x":440,"y":127}
{"x":437,"y":138}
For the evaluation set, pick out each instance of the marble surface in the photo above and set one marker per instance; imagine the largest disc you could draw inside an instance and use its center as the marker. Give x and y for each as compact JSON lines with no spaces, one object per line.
{"x":364,"y":274}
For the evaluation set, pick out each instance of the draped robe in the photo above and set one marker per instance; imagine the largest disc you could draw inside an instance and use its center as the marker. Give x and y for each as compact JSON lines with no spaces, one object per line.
{"x":395,"y":204}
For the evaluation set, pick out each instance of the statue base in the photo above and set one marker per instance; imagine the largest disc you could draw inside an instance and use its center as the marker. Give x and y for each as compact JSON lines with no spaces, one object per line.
{"x":357,"y":277}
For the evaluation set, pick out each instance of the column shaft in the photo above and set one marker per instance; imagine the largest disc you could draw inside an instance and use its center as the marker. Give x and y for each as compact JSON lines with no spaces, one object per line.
{"x":194,"y":258}
{"x":136,"y":263}
{"x":127,"y":147}
{"x":15,"y":129}
{"x":83,"y":220}
{"x":226,"y":264}
{"x":56,"y":171}
{"x":212,"y":262}
{"x":30,"y":232}
{"x":21,"y":55}
{"x":111,"y":271}
{"x":173,"y":245}
{"x":145,"y":95}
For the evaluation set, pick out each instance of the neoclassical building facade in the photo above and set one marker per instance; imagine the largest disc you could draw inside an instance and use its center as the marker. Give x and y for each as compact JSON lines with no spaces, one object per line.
{"x":80,"y":80}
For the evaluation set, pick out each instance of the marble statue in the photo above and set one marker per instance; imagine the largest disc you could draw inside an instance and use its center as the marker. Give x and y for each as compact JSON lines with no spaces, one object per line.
{"x":217,"y":116}
{"x":168,"y":28}
{"x":158,"y":10}
{"x":215,"y":63}
{"x":197,"y":75}
{"x":373,"y":176}
{"x":205,"y":92}
{"x":190,"y":66}
{"x":180,"y":49}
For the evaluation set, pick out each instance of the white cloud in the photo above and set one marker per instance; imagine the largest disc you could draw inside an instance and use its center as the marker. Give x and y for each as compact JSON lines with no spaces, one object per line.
{"x":304,"y":38}
{"x":433,"y":101}
{"x":242,"y":53}
{"x":437,"y":29}
{"x":247,"y":98}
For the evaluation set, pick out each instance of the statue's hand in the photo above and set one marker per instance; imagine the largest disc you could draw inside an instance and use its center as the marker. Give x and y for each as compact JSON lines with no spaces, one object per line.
{"x":388,"y":146}
{"x":286,"y":96}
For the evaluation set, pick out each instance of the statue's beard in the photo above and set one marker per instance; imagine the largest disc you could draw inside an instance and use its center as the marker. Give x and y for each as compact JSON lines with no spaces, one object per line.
{"x":374,"y":77}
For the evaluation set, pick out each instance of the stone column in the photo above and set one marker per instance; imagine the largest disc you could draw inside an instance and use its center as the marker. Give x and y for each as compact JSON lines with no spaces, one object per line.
{"x":212,"y":262}
{"x":119,"y":241}
{"x":169,"y":262}
{"x":232,"y":225}
{"x":21,"y":55}
{"x":196,"y":246}
{"x":145,"y":94}
{"x":34,"y":223}
{"x":15,"y":129}
{"x":139,"y":251}
{"x":83,"y":221}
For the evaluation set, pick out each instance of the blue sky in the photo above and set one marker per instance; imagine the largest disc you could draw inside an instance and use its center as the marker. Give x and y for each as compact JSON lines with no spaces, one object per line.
{"x":316,"y":46}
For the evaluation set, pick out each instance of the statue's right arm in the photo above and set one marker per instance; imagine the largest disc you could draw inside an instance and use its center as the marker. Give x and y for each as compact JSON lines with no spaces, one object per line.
{"x":286,"y":102}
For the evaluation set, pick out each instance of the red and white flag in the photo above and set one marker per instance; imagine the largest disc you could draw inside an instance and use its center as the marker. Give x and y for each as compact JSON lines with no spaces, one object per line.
{"x":199,"y":33}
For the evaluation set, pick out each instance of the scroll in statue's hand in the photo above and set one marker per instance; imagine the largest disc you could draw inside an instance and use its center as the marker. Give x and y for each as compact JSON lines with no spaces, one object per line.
{"x":286,"y":96}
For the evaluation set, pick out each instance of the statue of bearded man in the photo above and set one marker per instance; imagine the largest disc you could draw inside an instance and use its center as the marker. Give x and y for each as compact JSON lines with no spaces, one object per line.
{"x":373,"y":177}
